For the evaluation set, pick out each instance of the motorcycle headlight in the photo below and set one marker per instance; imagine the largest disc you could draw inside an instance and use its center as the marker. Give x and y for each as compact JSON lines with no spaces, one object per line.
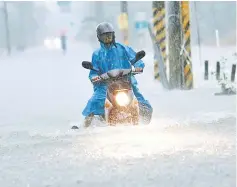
{"x":122,"y":99}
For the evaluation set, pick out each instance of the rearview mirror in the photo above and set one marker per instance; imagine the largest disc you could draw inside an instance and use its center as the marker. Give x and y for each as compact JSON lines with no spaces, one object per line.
{"x":140,"y":55}
{"x":87,"y":65}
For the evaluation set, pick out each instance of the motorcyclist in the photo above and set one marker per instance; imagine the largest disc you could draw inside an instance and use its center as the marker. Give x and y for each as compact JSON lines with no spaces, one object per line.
{"x":111,"y":55}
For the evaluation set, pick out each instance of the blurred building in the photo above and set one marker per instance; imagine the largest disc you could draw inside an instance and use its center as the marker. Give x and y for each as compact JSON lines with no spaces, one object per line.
{"x":30,"y":22}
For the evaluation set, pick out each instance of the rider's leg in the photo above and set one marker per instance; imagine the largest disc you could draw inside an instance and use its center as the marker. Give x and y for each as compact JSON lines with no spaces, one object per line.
{"x":95,"y":106}
{"x":145,"y":108}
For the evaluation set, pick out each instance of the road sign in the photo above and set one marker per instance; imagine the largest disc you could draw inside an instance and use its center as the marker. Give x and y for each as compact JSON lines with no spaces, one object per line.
{"x":141,"y":25}
{"x":141,"y":20}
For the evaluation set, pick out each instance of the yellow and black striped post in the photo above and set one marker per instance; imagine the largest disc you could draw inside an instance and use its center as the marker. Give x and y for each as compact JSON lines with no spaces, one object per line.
{"x":123,"y":21}
{"x":160,"y":32}
{"x":185,"y":15}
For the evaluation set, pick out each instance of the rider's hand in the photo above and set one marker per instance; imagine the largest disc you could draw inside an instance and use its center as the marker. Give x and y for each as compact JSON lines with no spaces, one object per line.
{"x":139,"y":70}
{"x":96,"y":79}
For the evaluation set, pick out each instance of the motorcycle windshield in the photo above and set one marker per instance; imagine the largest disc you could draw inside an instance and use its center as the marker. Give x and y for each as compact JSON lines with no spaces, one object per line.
{"x":115,"y":73}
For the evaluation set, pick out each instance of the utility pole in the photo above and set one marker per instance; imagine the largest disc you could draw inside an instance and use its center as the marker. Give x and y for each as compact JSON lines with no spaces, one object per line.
{"x":7,"y":27}
{"x":124,"y":21}
{"x":187,"y":74}
{"x":175,"y":39}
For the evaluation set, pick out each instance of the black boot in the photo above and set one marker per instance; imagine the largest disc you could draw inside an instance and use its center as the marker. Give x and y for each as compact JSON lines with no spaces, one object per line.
{"x":86,"y":123}
{"x":88,"y":120}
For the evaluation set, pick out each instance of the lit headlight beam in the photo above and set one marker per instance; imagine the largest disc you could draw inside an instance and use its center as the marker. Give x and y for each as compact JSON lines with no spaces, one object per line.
{"x":122,"y":99}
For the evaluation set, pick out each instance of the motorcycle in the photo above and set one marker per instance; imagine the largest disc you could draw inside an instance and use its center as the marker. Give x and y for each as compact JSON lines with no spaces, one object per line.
{"x":121,"y":107}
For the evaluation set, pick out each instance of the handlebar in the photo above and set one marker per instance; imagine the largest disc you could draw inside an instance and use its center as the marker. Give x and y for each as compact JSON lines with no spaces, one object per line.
{"x":132,"y":72}
{"x":111,"y":79}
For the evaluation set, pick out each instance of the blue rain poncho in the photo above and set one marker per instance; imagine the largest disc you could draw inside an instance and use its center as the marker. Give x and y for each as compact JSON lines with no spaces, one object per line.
{"x":106,"y":59}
